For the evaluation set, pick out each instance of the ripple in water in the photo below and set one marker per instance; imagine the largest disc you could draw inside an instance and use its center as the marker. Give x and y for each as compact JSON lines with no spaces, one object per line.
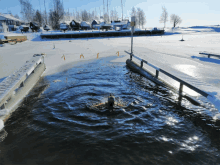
{"x":59,"y":123}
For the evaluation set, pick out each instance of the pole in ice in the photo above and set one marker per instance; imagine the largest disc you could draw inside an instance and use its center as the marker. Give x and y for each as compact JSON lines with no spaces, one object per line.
{"x":132,"y":31}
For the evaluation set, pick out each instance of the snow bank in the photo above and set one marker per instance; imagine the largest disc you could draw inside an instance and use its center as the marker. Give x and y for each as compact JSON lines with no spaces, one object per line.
{"x":4,"y":112}
{"x":1,"y":124}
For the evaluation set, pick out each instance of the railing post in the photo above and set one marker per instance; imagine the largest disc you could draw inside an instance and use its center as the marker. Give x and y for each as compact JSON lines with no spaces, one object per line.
{"x":3,"y":106}
{"x":22,"y":84}
{"x":142,"y":64}
{"x":157,"y":73}
{"x":130,"y":56}
{"x":209,"y":56}
{"x":181,"y":89}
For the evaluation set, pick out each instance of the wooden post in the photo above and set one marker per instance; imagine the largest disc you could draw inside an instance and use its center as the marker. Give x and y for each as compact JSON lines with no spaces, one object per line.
{"x":22,"y":84}
{"x":142,"y":64}
{"x":130,"y":57}
{"x":181,"y":89}
{"x":3,"y":106}
{"x":157,"y":73}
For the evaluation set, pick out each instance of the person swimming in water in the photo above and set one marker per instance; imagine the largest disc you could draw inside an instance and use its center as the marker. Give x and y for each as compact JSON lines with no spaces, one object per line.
{"x":110,"y":103}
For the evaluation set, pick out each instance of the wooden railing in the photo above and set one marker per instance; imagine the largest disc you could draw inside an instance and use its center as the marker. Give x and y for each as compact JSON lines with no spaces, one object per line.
{"x":209,"y":54}
{"x":169,"y":75}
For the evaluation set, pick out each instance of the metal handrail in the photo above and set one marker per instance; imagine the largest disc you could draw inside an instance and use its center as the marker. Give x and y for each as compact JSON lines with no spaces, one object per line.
{"x":169,"y":75}
{"x":209,"y":54}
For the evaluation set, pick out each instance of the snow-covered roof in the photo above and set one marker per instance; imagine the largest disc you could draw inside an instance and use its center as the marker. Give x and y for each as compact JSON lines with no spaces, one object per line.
{"x":102,"y":23}
{"x":9,"y":17}
{"x":121,"y":23}
{"x":74,"y":23}
{"x":95,"y":22}
{"x":83,"y":23}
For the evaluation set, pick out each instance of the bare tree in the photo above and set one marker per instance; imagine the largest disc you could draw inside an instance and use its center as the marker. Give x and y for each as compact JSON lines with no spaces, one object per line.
{"x":84,"y":15}
{"x":78,"y":16}
{"x":139,"y":16}
{"x":52,"y":19}
{"x":175,"y":20}
{"x":38,"y":17}
{"x":45,"y":15}
{"x":134,"y":13}
{"x":96,"y":16}
{"x":122,"y":9}
{"x":114,"y":15}
{"x":164,"y":16}
{"x":67,"y":16}
{"x":142,"y":18}
{"x":27,"y":10}
{"x":56,"y":15}
{"x":106,"y":17}
{"x":16,"y":16}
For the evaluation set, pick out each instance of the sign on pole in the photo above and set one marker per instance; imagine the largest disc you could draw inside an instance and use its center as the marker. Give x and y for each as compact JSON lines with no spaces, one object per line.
{"x":133,"y":21}
{"x":132,"y":31}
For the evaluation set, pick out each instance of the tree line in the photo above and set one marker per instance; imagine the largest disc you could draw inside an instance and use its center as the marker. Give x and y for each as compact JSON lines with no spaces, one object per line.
{"x":174,"y":19}
{"x":57,"y":14}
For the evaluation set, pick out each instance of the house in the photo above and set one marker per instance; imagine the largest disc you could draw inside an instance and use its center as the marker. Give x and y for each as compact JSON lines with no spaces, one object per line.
{"x":75,"y":25}
{"x":64,"y":26}
{"x":94,"y":22}
{"x":10,"y":21}
{"x":34,"y":26}
{"x":85,"y":25}
{"x":99,"y":26}
{"x":121,"y":25}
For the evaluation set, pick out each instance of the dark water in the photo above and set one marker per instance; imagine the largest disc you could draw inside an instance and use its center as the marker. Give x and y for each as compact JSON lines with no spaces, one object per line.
{"x":59,"y":124}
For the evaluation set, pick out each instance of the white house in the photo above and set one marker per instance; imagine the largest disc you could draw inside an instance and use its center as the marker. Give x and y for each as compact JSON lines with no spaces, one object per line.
{"x":10,"y":21}
{"x":122,"y":25}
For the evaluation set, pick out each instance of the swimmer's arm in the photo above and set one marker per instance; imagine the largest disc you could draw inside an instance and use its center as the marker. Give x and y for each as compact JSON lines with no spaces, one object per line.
{"x":99,"y":104}
{"x":120,"y":105}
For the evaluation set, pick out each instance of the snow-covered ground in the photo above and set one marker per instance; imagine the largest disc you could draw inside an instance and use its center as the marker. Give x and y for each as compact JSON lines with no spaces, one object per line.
{"x":181,"y":59}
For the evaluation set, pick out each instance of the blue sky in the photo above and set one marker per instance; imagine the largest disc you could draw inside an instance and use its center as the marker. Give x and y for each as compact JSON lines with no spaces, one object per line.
{"x":192,"y":12}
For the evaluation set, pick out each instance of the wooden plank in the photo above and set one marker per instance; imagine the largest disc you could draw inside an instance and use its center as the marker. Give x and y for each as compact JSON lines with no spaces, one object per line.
{"x":209,"y":54}
{"x":15,"y":37}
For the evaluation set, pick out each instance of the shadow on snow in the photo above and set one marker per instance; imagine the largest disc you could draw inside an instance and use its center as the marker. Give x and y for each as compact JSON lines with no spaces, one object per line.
{"x":205,"y":59}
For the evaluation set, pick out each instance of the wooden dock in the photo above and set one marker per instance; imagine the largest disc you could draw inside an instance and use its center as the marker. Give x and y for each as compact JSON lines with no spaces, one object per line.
{"x":16,"y":86}
{"x":14,"y":39}
{"x":95,"y":34}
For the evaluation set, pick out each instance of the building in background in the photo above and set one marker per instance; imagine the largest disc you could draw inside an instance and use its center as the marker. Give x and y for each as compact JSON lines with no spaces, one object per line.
{"x":121,"y":25}
{"x":10,"y":21}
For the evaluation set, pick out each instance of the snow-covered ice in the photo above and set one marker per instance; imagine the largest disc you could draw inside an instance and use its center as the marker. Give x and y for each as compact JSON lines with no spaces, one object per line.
{"x":1,"y":124}
{"x":180,"y":58}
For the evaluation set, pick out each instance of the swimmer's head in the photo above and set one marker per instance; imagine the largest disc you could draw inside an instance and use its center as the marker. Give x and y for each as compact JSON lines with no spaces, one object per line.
{"x":111,"y":101}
